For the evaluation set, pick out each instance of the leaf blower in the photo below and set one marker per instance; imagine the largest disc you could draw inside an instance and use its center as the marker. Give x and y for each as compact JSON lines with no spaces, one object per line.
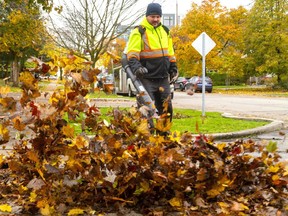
{"x":143,"y":97}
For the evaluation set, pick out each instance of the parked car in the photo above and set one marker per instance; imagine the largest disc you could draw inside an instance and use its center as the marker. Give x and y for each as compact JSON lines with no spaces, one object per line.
{"x":108,"y":79}
{"x":104,"y":79}
{"x":195,"y":83}
{"x":47,"y":77}
{"x":180,"y":83}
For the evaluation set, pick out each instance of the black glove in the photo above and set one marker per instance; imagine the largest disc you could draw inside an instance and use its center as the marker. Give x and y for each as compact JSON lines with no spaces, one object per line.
{"x":141,"y":71}
{"x":173,"y":75}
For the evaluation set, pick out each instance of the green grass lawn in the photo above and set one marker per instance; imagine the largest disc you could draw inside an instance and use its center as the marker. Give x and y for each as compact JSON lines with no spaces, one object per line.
{"x":11,"y":88}
{"x":189,"y":120}
{"x":213,"y":122}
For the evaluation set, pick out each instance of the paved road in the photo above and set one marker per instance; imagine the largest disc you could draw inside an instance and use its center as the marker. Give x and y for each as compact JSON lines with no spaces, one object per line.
{"x":242,"y":105}
{"x":265,"y":107}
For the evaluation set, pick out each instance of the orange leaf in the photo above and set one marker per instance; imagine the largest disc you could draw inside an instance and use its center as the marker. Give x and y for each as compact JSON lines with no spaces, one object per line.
{"x":143,"y":128}
{"x":238,"y":207}
{"x":80,"y":142}
{"x":1,"y":160}
{"x":141,"y":152}
{"x":47,"y":210}
{"x":68,"y":131}
{"x":163,"y":124}
{"x":18,"y":125}
{"x":5,"y":208}
{"x":202,"y":174}
{"x":4,"y":134}
{"x":76,"y":211}
{"x":161,"y":89}
{"x":77,"y":77}
{"x":88,"y":76}
{"x":221,"y":146}
{"x":197,"y":127}
{"x":33,"y":156}
{"x":9,"y":103}
{"x":224,"y":207}
{"x":219,"y":187}
{"x":272,"y":169}
{"x":175,"y":202}
{"x":4,"y":90}
{"x":32,"y":196}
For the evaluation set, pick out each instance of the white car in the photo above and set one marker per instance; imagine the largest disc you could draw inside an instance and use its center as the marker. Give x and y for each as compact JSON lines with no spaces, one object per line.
{"x":132,"y":90}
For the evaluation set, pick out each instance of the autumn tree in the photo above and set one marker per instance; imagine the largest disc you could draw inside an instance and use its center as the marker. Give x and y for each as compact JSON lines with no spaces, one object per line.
{"x":266,"y":38}
{"x":22,"y":33}
{"x":232,"y":49}
{"x":46,"y":5}
{"x":88,"y":27}
{"x":61,"y":60}
{"x":201,"y":18}
{"x":223,"y":26}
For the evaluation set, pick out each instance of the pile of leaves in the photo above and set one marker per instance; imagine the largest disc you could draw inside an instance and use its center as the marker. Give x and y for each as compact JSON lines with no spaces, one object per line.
{"x":123,"y":166}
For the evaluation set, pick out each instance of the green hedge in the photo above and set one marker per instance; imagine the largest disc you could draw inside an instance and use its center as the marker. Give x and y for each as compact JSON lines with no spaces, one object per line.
{"x":222,"y":79}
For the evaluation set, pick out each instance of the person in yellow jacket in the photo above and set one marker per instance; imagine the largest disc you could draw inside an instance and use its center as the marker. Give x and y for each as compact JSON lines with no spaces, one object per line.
{"x":150,"y":55}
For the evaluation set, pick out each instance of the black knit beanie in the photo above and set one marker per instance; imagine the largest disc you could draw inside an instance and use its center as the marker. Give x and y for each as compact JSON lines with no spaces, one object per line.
{"x":154,"y":9}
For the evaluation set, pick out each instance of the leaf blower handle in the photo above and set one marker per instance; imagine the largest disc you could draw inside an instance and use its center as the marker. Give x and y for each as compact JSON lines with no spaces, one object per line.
{"x":143,"y":94}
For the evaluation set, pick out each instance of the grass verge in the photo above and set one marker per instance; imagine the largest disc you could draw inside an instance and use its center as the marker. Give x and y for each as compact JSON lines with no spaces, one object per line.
{"x":213,"y":122}
{"x":251,"y":90}
{"x":192,"y":121}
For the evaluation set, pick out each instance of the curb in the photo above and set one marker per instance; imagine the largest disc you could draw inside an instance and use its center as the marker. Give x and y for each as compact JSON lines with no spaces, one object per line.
{"x":272,"y":126}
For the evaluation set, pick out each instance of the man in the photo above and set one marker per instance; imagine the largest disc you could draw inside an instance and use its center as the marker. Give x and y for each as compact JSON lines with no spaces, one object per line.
{"x":151,"y":57}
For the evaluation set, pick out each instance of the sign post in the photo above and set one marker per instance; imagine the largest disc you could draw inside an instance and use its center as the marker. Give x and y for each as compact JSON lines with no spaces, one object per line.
{"x":203,"y":44}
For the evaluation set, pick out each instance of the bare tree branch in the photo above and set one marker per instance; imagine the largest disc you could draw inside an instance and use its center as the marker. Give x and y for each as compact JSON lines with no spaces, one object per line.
{"x":88,"y":26}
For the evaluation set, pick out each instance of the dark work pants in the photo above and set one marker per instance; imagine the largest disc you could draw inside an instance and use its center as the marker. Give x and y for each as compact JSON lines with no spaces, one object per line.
{"x":159,"y":91}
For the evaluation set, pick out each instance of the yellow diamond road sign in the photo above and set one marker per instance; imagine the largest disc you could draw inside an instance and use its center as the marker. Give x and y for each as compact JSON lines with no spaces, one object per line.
{"x":203,"y":44}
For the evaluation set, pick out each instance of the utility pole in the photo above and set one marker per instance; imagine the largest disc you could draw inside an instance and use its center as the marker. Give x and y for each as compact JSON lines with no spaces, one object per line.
{"x":177,"y":19}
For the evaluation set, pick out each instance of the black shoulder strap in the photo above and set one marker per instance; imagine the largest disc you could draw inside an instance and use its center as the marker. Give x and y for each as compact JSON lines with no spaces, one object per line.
{"x":142,"y":29}
{"x":166,"y":29}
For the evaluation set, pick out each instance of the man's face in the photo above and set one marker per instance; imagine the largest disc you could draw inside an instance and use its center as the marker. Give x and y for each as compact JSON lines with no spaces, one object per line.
{"x":154,"y":20}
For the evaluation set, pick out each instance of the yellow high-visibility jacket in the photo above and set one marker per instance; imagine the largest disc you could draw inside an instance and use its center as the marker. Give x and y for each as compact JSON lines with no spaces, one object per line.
{"x":153,"y":49}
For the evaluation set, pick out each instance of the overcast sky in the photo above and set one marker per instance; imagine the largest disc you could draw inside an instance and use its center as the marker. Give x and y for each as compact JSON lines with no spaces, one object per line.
{"x":169,"y":6}
{"x":184,"y":5}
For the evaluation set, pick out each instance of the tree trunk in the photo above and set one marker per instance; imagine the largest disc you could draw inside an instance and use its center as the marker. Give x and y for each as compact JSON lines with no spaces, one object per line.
{"x":92,"y":85}
{"x":61,"y":73}
{"x":15,"y":71}
{"x":279,"y":78}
